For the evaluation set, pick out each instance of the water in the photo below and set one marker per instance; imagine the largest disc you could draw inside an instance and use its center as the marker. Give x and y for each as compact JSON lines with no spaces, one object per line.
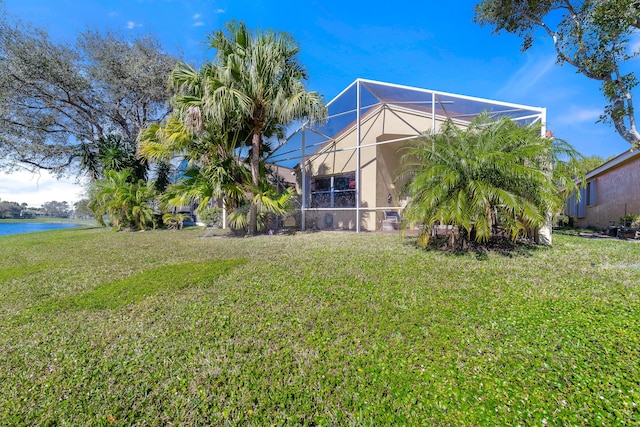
{"x":7,"y":228}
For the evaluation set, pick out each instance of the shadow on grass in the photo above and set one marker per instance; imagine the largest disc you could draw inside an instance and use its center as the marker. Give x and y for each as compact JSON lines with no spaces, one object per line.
{"x":572,"y":231}
{"x":501,"y":246}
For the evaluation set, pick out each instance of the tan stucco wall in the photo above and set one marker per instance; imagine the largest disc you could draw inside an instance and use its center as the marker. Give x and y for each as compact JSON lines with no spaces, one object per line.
{"x":331,"y":220}
{"x":383,"y":125}
{"x":378,"y":162}
{"x":615,"y":189}
{"x":387,"y":180}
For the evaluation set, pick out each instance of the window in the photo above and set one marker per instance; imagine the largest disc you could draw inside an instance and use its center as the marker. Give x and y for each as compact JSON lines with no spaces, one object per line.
{"x":571,"y":208}
{"x":338,"y":191}
{"x":591,"y":193}
{"x":582,"y":204}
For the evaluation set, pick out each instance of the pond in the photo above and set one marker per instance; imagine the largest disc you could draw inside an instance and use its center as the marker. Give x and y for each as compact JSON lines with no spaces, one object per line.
{"x":7,"y":228}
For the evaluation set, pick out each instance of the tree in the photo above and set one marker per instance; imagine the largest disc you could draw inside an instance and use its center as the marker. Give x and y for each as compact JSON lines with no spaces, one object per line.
{"x":268,"y":204}
{"x":591,"y":35}
{"x":59,"y":102}
{"x":82,"y":209}
{"x":111,"y":152}
{"x":175,"y":221}
{"x":252,"y":90}
{"x":256,"y":82}
{"x":489,"y":177}
{"x":10,"y":209}
{"x":127,"y":203}
{"x":163,"y":176}
{"x":56,"y":209}
{"x":578,"y":167}
{"x":211,"y":167}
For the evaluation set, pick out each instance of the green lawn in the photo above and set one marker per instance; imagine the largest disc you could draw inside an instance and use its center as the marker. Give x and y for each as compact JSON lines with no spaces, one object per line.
{"x":166,"y":328}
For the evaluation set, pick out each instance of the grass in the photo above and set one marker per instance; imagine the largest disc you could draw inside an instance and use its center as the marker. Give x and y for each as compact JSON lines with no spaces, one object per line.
{"x":167,"y":328}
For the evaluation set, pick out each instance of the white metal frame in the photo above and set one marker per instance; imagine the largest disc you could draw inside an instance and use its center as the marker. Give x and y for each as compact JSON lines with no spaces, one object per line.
{"x":534,"y":114}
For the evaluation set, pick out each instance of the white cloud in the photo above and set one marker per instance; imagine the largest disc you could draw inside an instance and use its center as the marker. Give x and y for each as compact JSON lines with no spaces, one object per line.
{"x":36,"y":189}
{"x":131,"y":25}
{"x":220,"y":11}
{"x":525,"y":79}
{"x":196,"y":18}
{"x":577,"y":114}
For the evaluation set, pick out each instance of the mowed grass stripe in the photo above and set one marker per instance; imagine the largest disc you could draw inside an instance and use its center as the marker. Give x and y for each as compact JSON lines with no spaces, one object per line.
{"x":122,"y":292}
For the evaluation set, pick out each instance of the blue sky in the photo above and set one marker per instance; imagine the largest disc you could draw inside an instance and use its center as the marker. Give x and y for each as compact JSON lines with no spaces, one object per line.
{"x":433,"y":45}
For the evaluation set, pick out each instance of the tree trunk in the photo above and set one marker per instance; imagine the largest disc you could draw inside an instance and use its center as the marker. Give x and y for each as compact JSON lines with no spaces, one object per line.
{"x":256,"y":144}
{"x":544,"y":235}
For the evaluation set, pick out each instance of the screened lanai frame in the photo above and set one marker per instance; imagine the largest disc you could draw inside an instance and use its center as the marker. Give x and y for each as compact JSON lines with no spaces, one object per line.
{"x":362,"y":99}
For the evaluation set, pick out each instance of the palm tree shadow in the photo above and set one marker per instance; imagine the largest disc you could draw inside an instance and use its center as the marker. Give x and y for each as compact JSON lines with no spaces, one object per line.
{"x":501,"y":247}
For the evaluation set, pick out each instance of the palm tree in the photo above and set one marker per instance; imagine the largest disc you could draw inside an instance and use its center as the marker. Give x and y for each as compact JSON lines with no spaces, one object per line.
{"x":494,"y":173}
{"x":126,"y":204}
{"x":268,"y":204}
{"x":103,"y":196}
{"x":111,"y":152}
{"x":213,"y":168}
{"x":254,"y":85}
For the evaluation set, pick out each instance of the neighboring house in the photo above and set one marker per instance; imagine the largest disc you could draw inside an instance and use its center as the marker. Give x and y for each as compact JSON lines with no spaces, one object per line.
{"x":611,"y":191}
{"x":32,"y":213}
{"x":281,"y":177}
{"x":347,"y":167}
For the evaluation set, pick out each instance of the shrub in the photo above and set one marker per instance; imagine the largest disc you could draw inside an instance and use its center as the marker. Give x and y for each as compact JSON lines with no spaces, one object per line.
{"x":211,"y":217}
{"x":175,"y":221}
{"x":491,"y":178}
{"x":629,"y":219}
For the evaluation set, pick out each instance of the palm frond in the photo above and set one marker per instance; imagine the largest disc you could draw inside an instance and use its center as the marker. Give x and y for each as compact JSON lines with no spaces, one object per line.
{"x":492,"y":172}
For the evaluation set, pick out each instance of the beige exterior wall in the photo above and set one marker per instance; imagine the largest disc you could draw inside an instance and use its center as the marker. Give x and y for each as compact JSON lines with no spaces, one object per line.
{"x":387,"y":181}
{"x":378,"y":165}
{"x":617,"y":191}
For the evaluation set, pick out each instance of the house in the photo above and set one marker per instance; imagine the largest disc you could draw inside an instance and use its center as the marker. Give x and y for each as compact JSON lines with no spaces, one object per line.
{"x":611,"y":191}
{"x":347,"y":167}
